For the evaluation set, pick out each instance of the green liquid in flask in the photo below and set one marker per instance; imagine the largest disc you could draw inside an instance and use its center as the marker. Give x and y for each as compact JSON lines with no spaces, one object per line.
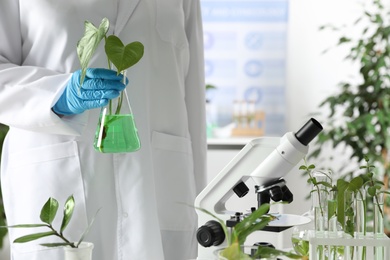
{"x":117,"y":134}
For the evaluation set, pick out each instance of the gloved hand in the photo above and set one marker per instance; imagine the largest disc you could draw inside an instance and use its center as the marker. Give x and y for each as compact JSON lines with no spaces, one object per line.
{"x":99,"y":86}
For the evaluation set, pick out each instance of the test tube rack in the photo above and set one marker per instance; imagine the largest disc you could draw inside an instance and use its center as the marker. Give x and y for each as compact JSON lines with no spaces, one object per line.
{"x":254,"y":128}
{"x":372,"y":243}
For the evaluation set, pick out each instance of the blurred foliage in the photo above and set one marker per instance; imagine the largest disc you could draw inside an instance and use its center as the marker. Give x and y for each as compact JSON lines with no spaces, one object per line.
{"x":3,"y":232}
{"x":365,"y":121}
{"x":3,"y":132}
{"x":210,"y":86}
{"x":359,"y":113}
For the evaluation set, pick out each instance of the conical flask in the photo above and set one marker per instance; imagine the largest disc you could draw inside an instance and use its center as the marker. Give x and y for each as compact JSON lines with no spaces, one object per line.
{"x":116,"y":131}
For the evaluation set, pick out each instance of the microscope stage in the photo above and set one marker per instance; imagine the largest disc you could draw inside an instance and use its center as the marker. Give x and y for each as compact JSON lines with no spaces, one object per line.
{"x":285,"y":221}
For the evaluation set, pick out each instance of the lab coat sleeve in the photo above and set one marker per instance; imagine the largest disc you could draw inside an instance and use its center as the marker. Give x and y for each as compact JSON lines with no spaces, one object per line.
{"x":195,"y":90}
{"x":27,"y":93}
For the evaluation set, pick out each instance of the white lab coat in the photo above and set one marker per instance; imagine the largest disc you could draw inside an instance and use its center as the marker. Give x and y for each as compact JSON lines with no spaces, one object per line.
{"x":144,"y":196}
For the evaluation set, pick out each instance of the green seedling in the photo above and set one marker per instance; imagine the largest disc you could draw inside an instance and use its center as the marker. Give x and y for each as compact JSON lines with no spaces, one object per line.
{"x":88,"y":44}
{"x":256,"y":221}
{"x":47,"y":216}
{"x":122,"y":56}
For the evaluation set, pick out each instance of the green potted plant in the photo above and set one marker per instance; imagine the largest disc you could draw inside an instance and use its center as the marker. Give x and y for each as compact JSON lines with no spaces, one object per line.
{"x":359,"y":113}
{"x":73,"y":250}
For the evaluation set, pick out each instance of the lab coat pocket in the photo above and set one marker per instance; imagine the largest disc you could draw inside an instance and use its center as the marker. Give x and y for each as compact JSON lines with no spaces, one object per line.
{"x":175,"y":184}
{"x":34,"y":175}
{"x":170,"y":22}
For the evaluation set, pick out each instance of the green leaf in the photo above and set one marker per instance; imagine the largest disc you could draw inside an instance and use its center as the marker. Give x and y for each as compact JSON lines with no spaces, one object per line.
{"x":234,"y":252}
{"x":122,"y":56}
{"x":87,"y":230}
{"x":303,"y":167}
{"x":371,"y":191}
{"x":302,"y":248}
{"x":68,"y":212}
{"x":257,"y":220}
{"x":26,"y":226}
{"x":349,"y":212}
{"x":209,"y":86}
{"x":324,"y":183}
{"x":32,"y":237}
{"x":342,"y":185}
{"x":268,"y":252}
{"x":49,"y":211}
{"x":57,"y":244}
{"x":88,"y":44}
{"x":3,"y":231}
{"x":355,"y":184}
{"x":350,"y":227}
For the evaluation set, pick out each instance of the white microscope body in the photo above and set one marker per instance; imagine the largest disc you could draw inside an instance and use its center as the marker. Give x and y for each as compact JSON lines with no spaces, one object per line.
{"x":266,"y":160}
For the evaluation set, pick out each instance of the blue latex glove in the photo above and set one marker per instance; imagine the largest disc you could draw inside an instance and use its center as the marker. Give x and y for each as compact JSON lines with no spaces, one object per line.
{"x":99,"y":86}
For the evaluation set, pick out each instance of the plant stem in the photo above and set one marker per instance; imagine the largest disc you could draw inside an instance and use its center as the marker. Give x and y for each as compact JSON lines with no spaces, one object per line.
{"x":377,"y":203}
{"x":109,"y":67}
{"x":62,"y":237}
{"x":119,"y":106}
{"x":120,"y":99}
{"x":318,"y":193}
{"x":364,"y":220}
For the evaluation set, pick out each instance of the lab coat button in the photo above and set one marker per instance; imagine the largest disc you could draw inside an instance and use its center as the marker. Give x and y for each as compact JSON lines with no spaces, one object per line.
{"x":125,"y":215}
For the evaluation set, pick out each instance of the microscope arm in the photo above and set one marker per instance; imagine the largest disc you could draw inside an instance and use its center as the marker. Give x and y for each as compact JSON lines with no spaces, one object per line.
{"x":239,"y":169}
{"x":262,"y":159}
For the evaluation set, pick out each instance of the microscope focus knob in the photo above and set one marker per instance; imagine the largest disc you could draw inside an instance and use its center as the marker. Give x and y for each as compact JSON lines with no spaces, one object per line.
{"x":210,"y":234}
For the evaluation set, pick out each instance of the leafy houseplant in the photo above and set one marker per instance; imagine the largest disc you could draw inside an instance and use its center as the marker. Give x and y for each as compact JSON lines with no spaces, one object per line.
{"x":257,"y":220}
{"x":107,"y":138}
{"x":47,"y":216}
{"x":78,"y":250}
{"x":359,"y":116}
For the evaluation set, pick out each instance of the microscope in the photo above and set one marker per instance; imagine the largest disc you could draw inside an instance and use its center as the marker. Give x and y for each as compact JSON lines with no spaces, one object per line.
{"x":266,"y":161}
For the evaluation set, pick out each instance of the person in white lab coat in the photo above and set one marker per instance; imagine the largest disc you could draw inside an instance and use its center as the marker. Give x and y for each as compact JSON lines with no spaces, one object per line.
{"x":144,"y":196}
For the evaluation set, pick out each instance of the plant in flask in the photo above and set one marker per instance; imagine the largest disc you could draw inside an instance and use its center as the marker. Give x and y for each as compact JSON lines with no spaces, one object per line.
{"x":321,"y":184}
{"x":300,"y":241}
{"x":116,"y":131}
{"x":375,"y":190}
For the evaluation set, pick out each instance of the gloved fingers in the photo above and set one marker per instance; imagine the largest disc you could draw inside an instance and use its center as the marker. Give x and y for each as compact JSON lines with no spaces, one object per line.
{"x":100,"y":73}
{"x":91,"y":104}
{"x":98,"y":94}
{"x":103,"y":84}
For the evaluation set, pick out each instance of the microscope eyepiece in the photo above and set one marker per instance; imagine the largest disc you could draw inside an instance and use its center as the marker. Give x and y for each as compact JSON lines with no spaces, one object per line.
{"x":309,"y":131}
